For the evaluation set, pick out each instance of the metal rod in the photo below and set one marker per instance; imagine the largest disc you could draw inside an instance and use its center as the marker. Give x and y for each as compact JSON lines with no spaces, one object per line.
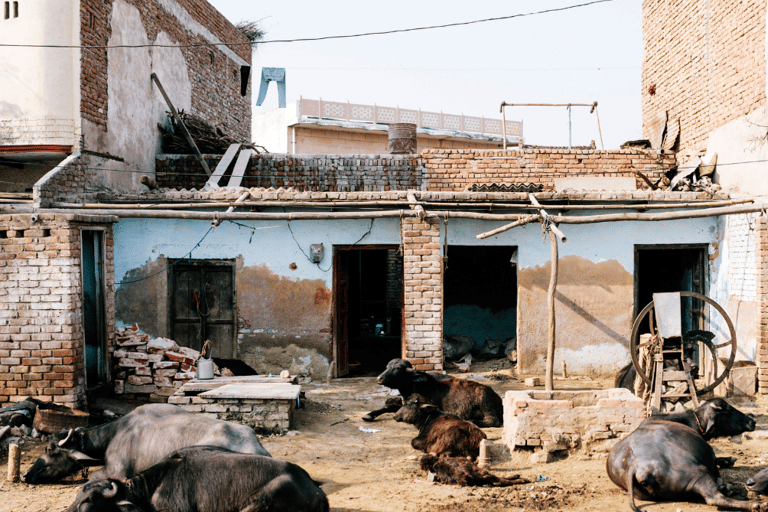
{"x":504,"y":126}
{"x":570,"y":131}
{"x":505,"y":104}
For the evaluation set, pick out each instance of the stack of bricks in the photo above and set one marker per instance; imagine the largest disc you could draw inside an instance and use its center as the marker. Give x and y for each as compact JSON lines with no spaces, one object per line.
{"x":761,"y":257}
{"x":458,"y":169}
{"x":150,"y":369}
{"x":423,"y":293}
{"x":41,"y":325}
{"x":565,"y":420}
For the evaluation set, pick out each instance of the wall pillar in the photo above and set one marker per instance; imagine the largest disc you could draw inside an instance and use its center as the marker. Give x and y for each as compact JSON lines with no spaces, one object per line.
{"x":761,"y":260}
{"x":423,"y":294}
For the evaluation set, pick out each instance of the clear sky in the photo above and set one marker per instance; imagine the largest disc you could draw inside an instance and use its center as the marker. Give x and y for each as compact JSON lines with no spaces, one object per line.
{"x":586,"y":54}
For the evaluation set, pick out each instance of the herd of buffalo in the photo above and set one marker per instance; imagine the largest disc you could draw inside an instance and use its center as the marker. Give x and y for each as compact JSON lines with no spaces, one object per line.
{"x":159,"y":457}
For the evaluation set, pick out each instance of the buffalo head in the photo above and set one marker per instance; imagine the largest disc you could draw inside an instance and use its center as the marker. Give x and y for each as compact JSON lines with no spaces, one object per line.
{"x":62,"y":457}
{"x":103,"y":496}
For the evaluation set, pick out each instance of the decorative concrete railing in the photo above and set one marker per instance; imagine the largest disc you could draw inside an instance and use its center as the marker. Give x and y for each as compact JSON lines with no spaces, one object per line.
{"x":377,"y":114}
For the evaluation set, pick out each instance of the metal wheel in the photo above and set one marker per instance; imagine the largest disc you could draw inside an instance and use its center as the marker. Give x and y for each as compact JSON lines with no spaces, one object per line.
{"x":647,"y":311}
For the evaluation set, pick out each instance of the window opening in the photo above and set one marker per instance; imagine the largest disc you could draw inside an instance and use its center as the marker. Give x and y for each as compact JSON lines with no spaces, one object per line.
{"x":46,"y":233}
{"x":7,"y":10}
{"x":15,"y":9}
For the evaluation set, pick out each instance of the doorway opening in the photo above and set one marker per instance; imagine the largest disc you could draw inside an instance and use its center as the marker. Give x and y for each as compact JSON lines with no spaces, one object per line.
{"x":368,"y":291}
{"x":94,"y":307}
{"x":480,"y":287}
{"x":672,"y":268}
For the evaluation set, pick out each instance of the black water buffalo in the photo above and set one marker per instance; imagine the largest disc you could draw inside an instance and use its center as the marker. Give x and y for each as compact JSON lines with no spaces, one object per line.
{"x":440,"y":433}
{"x":466,"y":399}
{"x":463,"y":472}
{"x":666,"y":458}
{"x":759,"y":482}
{"x":210,"y":479}
{"x":135,"y":442}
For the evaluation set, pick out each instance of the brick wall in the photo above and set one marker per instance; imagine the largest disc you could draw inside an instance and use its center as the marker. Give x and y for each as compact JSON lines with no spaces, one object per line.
{"x":703,"y":62}
{"x":48,"y":131}
{"x":454,"y":170}
{"x":742,"y":248}
{"x":423,"y":293}
{"x":41,"y":324}
{"x":215,"y":78}
{"x":761,"y":244}
{"x":304,"y":172}
{"x":326,"y":141}
{"x":74,"y":174}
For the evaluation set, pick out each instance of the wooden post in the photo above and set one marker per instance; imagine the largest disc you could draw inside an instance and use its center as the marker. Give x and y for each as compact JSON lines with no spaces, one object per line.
{"x":548,"y":384}
{"x":14,"y":461}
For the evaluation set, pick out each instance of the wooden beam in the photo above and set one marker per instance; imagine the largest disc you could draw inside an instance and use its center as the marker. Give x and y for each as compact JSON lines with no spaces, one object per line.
{"x":184,"y":130}
{"x":545,"y":217}
{"x":549,"y":379}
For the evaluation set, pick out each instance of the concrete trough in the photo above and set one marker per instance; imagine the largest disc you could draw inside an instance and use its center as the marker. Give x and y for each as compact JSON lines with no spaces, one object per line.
{"x":569,"y":420}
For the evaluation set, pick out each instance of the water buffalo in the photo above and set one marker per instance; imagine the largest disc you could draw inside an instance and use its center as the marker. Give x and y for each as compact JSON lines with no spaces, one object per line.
{"x":210,"y":479}
{"x":440,"y":433}
{"x":666,"y":459}
{"x":136,"y":441}
{"x":759,"y":482}
{"x":463,"y":472}
{"x":466,"y":399}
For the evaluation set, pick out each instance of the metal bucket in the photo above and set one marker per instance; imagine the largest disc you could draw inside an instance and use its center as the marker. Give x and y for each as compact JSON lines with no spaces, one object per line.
{"x":402,"y":138}
{"x":204,"y":369}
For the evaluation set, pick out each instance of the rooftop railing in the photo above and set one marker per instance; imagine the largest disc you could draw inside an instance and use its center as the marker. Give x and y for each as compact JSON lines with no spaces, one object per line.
{"x":377,"y":114}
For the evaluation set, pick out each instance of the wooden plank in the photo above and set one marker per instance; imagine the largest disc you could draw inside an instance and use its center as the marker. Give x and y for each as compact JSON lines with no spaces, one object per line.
{"x":237,"y":174}
{"x":674,"y":375}
{"x":229,"y":155}
{"x":656,"y":128}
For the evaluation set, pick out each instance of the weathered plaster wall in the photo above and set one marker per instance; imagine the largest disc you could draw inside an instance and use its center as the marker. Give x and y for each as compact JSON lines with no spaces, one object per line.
{"x":39,"y":102}
{"x":284,"y":301}
{"x":594,"y":304}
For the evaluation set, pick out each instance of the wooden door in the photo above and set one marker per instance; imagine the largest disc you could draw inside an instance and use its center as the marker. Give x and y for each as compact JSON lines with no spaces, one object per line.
{"x":203,"y":306}
{"x":341,"y":262}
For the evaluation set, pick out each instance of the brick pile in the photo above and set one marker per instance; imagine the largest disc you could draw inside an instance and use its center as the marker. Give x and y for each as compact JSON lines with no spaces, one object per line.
{"x":567,"y":420}
{"x":150,"y":369}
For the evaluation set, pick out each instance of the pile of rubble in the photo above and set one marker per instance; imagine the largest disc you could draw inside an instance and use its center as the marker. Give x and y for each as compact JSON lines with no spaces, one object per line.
{"x":151,"y":369}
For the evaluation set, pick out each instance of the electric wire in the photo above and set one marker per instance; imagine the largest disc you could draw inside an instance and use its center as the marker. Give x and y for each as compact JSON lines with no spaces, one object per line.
{"x":321,"y":38}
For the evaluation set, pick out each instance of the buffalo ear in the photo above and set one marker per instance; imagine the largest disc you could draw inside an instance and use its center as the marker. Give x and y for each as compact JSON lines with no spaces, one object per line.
{"x":715,"y":406}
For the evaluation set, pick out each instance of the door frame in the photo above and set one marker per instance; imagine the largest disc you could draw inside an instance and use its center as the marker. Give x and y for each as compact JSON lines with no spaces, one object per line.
{"x":340,"y":335}
{"x":101,"y":305}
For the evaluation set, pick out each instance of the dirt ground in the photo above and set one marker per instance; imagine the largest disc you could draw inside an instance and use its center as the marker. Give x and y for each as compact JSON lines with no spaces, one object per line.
{"x":379,"y":471}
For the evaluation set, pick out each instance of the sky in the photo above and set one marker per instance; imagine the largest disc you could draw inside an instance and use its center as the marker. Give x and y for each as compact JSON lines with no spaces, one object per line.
{"x":581,"y":55}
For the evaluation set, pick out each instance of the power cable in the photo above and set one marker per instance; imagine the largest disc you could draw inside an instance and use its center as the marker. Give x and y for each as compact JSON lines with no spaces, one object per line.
{"x":321,"y":38}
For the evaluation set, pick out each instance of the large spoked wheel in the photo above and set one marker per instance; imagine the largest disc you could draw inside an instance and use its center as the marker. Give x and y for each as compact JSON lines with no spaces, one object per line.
{"x":714,"y":348}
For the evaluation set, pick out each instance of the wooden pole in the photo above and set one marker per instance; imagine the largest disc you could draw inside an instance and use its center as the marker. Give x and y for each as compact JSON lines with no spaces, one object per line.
{"x":506,"y":227}
{"x":242,"y":198}
{"x":548,"y":384}
{"x":14,"y":461}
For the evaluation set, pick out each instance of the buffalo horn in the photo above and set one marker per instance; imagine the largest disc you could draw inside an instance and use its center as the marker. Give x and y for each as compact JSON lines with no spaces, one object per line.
{"x":111,"y":492}
{"x":69,"y":435}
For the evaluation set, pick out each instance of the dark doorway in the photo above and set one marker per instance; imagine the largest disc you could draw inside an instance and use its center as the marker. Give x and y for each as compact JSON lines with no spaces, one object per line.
{"x":94,"y":321}
{"x":671,"y":268}
{"x":481,"y":293}
{"x":202,"y":306}
{"x":368,"y":288}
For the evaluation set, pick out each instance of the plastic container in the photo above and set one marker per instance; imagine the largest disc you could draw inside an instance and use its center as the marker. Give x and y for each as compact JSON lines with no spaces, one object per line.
{"x":204,"y":369}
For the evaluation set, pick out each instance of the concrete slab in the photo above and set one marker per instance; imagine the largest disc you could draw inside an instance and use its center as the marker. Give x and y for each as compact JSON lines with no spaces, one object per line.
{"x":255,"y":391}
{"x":197,"y":385}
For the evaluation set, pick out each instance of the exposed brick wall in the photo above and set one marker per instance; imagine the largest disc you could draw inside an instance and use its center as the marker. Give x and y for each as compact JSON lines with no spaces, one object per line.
{"x":742,"y":249}
{"x":454,"y":170}
{"x":423,"y":293}
{"x":215,"y":78}
{"x":338,"y":142}
{"x":41,"y":323}
{"x":304,"y":172}
{"x":75,"y":174}
{"x":761,"y":248}
{"x":704,"y":62}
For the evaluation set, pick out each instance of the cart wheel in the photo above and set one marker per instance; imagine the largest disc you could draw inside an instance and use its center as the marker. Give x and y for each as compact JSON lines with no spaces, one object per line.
{"x":647,"y":311}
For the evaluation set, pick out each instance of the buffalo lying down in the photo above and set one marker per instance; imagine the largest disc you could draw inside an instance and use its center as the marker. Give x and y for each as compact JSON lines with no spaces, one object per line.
{"x":463,"y":472}
{"x":440,"y":433}
{"x":466,"y":399}
{"x":666,"y":460}
{"x":209,"y":479}
{"x":136,"y":441}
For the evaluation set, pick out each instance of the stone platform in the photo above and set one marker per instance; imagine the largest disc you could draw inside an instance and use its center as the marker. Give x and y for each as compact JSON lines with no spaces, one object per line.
{"x":266,"y":404}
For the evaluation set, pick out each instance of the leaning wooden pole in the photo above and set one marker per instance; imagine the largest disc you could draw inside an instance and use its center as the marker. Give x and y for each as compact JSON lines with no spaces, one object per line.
{"x":548,"y":381}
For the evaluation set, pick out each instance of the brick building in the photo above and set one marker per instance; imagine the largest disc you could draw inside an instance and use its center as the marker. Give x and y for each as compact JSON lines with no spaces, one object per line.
{"x":333,"y":128}
{"x":704,"y":68}
{"x":80,"y":119}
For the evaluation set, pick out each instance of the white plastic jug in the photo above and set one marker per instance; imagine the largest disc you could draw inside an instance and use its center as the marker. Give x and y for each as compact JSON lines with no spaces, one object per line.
{"x":204,"y":368}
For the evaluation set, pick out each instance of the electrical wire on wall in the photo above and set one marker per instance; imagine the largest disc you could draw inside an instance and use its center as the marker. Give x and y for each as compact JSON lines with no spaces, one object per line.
{"x":318,"y":263}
